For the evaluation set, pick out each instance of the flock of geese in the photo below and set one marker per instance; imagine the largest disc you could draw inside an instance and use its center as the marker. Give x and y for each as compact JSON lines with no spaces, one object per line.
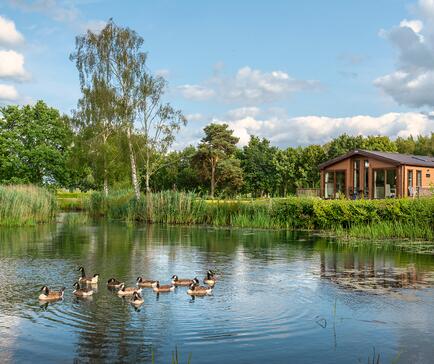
{"x":84,"y":287}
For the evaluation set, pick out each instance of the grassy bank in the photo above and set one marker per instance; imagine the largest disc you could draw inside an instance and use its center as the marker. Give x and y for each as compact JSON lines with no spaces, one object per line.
{"x":72,"y":201}
{"x":400,"y":218}
{"x":25,"y":205}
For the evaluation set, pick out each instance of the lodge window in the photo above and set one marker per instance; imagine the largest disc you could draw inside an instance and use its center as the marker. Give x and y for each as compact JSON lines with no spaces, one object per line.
{"x":356,"y":181}
{"x":334,"y":184}
{"x":410,"y":183}
{"x":366,"y":180}
{"x":384,"y":183}
{"x":418,"y":178}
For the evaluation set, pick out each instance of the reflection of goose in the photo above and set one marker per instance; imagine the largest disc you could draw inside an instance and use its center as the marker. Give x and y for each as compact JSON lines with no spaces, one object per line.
{"x":137,"y":299}
{"x":146,"y":283}
{"x":46,"y":295}
{"x":210,"y":278}
{"x":164,"y":288}
{"x":128,"y":291}
{"x":196,"y":290}
{"x":181,"y":282}
{"x":113,"y":283}
{"x":84,"y":279}
{"x":82,"y":292}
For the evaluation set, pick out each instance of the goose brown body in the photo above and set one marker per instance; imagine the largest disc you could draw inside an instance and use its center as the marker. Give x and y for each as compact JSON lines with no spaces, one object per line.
{"x":181,"y":282}
{"x":196,"y":290}
{"x":128,"y":291}
{"x":48,"y":295}
{"x":87,"y":280}
{"x":164,"y":288}
{"x":137,"y":299}
{"x":210,"y":278}
{"x":146,"y":283}
{"x":82,"y":292}
{"x":114,"y":283}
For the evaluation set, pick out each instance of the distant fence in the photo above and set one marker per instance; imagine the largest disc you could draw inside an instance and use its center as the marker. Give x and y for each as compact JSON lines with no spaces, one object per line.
{"x":308,"y":192}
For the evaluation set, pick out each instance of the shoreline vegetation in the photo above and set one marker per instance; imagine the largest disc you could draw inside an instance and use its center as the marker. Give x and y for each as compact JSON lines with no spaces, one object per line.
{"x":367,"y":219}
{"x":22,"y":205}
{"x":346,"y":219}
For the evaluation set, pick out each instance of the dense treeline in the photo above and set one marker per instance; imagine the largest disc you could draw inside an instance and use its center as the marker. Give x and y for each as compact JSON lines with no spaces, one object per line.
{"x":122,"y":132}
{"x":38,"y":145}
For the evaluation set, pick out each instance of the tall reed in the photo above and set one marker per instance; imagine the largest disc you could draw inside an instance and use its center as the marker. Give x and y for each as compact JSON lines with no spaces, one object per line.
{"x":406,"y":218}
{"x":25,"y":205}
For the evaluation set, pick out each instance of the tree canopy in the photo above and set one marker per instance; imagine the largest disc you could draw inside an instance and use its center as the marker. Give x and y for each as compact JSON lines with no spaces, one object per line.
{"x":35,"y":145}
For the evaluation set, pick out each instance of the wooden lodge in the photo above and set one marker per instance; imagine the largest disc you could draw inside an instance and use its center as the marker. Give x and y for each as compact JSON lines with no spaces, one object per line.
{"x":376,"y":175}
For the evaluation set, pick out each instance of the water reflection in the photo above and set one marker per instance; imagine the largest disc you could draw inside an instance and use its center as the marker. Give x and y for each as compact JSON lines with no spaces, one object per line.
{"x":273,"y":289}
{"x":372,"y":273}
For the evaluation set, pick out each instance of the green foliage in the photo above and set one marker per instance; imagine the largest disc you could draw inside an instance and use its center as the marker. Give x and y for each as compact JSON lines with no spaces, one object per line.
{"x":119,"y":93}
{"x":289,"y":213}
{"x":34,"y":145}
{"x":259,"y":170}
{"x":218,"y":145}
{"x":25,"y":205}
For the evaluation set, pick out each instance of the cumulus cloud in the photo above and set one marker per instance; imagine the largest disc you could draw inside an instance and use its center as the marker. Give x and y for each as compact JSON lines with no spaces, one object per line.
{"x":249,"y":86}
{"x":411,"y":83}
{"x":305,"y":130}
{"x":12,"y":65}
{"x":60,"y":11}
{"x":8,"y":93}
{"x":196,"y":92}
{"x":194,"y":117}
{"x":9,"y":35}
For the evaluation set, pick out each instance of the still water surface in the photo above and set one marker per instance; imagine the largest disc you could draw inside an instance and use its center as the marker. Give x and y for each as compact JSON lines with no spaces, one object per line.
{"x":281,"y":297}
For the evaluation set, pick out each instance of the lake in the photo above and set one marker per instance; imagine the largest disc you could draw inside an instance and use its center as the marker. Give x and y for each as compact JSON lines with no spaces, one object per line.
{"x":280,"y":297}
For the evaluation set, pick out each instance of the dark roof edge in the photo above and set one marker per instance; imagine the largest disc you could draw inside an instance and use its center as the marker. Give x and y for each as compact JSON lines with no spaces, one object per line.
{"x":362,"y":152}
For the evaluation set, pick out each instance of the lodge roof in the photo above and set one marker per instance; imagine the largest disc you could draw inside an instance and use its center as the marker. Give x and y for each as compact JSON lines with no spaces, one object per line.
{"x":393,"y":158}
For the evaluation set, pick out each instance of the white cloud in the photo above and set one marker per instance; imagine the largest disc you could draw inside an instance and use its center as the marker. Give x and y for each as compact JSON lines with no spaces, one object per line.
{"x":412,"y":82}
{"x":244,"y":112}
{"x":9,"y":35}
{"x":8,"y":93}
{"x":305,"y":130}
{"x":12,"y":65}
{"x":93,"y":25}
{"x":196,"y":92}
{"x":194,"y":117}
{"x":60,"y":11}
{"x":249,"y":86}
{"x":415,"y":25}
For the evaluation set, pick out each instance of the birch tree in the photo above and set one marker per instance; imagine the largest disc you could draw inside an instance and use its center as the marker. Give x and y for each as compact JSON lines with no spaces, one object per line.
{"x":114,"y":56}
{"x":160,"y":122}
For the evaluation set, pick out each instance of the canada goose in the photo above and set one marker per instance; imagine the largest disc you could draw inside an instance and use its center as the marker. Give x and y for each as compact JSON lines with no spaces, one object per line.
{"x":128,"y":291}
{"x":166,"y":288}
{"x":82,"y":292}
{"x":195,"y":290}
{"x":113,"y":283}
{"x":199,"y":287}
{"x":89,"y":280}
{"x":46,"y":295}
{"x":181,"y":282}
{"x":210,"y":278}
{"x":146,"y":283}
{"x":137,"y":299}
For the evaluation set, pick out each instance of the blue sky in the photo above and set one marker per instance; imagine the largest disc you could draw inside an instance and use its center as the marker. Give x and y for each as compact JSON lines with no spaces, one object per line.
{"x":296,"y":72}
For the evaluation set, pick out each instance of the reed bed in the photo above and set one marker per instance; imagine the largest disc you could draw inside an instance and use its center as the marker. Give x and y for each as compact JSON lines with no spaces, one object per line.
{"x":394,"y":218}
{"x":25,"y":205}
